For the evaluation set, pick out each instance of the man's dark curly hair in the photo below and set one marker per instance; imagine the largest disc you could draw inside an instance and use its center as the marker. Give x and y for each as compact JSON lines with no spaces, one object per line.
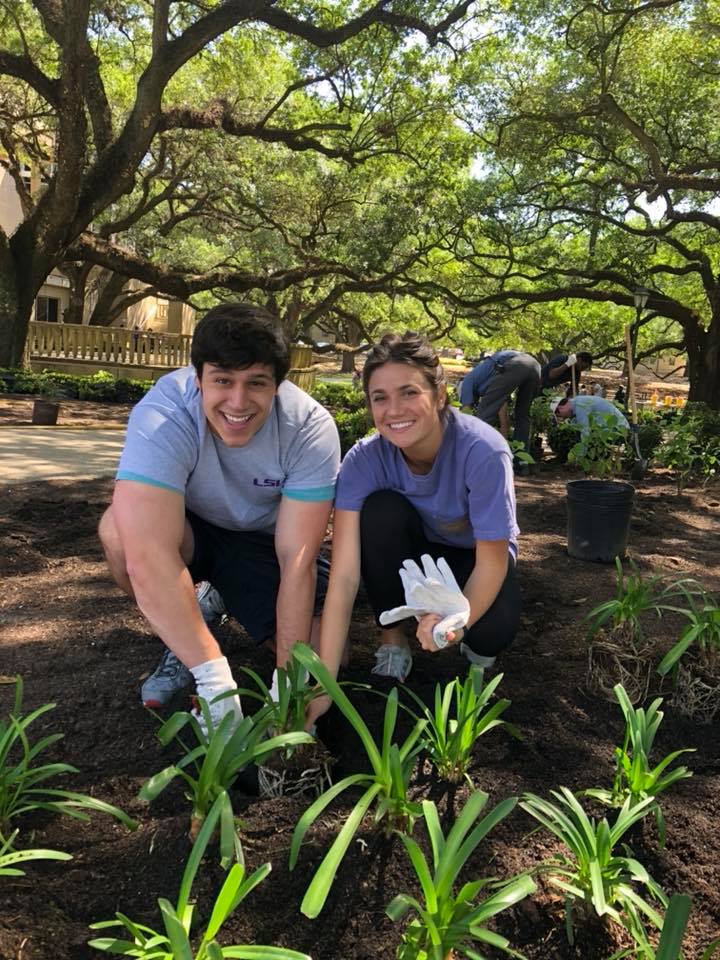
{"x":237,"y":335}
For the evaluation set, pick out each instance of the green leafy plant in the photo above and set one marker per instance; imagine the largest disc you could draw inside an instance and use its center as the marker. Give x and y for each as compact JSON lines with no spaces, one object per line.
{"x":210,"y":768}
{"x":23,"y":781}
{"x":384,"y":787}
{"x":9,"y":858}
{"x":448,"y":924}
{"x":669,"y":946}
{"x":519,"y":453}
{"x":635,"y":779}
{"x":634,"y":596}
{"x":562,"y":437}
{"x":175,"y":942}
{"x":702,"y":629}
{"x":462,"y":713}
{"x":600,"y":449}
{"x":594,"y":877}
{"x":287,"y":711}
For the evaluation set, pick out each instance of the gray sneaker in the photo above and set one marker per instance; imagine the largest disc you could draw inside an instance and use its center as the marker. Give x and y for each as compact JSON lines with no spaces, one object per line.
{"x":487,"y":663}
{"x":170,"y":677}
{"x":210,"y":602}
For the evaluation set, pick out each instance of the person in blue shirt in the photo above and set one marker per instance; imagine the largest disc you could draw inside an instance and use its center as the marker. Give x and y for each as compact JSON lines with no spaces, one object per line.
{"x":581,"y":409}
{"x":488,"y":387}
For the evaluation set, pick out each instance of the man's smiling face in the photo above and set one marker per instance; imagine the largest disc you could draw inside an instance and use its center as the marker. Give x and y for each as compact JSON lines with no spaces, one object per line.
{"x":235,"y":402}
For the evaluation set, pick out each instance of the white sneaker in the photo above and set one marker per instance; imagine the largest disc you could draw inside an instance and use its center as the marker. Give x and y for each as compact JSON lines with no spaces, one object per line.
{"x":393,"y":662}
{"x":487,"y":663}
{"x":210,"y":602}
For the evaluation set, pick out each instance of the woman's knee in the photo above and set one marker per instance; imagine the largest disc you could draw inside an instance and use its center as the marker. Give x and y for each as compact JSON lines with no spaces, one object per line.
{"x":387,"y":509}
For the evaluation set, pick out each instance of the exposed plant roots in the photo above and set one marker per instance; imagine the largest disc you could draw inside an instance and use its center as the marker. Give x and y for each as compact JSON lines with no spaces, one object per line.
{"x":306,"y":773}
{"x":697,"y":691}
{"x":614,"y":658}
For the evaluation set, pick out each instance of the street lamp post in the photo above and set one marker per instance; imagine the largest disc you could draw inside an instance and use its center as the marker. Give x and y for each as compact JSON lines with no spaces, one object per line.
{"x":640,"y":296}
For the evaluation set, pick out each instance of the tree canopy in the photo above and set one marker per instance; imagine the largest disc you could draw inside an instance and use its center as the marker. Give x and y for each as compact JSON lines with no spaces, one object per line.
{"x":516,"y":170}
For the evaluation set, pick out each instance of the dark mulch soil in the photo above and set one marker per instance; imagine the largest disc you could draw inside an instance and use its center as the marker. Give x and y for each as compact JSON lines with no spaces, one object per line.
{"x":79,"y":643}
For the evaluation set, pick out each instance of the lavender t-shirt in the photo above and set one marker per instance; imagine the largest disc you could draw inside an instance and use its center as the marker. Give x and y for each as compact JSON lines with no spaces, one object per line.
{"x":467,"y":496}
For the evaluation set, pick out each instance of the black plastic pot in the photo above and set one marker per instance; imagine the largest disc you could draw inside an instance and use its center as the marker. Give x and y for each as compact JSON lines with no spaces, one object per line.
{"x":598,"y":514}
{"x":45,"y":413}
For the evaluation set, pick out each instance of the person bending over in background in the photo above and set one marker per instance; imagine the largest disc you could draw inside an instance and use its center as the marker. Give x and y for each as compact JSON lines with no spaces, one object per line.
{"x":432,"y":481}
{"x":227,"y":476}
{"x":488,"y":387}
{"x":581,"y":409}
{"x":560,"y":369}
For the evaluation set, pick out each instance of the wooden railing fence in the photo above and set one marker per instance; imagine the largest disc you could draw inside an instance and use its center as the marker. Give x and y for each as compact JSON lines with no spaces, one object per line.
{"x":111,"y":345}
{"x":70,"y":343}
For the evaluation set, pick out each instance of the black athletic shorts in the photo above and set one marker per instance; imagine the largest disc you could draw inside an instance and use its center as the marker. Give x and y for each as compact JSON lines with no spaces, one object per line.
{"x":243,"y":567}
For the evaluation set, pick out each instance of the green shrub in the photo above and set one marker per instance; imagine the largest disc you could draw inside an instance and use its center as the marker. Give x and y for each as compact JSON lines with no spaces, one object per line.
{"x":706,"y":421}
{"x":130,"y":391}
{"x":561,"y":439}
{"x":650,"y":436}
{"x":26,"y":382}
{"x":100,"y":387}
{"x":352,"y":426}
{"x":339,"y":396}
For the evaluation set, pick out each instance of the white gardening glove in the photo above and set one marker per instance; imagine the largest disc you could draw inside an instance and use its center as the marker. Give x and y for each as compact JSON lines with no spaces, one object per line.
{"x":431,"y":590}
{"x":571,"y":360}
{"x":213,"y":678}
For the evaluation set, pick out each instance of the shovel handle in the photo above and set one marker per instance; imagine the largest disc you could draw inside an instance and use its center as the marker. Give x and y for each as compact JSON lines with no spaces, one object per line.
{"x":631,"y":376}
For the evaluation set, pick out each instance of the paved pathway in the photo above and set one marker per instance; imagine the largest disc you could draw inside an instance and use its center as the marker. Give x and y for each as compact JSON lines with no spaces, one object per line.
{"x":51,"y":453}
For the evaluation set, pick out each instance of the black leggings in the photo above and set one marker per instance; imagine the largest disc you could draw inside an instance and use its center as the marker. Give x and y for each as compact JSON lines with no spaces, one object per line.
{"x":391,"y":531}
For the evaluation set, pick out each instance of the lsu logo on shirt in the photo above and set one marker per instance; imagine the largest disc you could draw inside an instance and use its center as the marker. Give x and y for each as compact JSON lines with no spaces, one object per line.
{"x":267,"y":482}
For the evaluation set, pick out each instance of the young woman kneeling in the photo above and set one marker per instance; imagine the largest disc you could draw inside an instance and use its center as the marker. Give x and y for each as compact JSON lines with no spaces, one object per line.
{"x":431,"y":481}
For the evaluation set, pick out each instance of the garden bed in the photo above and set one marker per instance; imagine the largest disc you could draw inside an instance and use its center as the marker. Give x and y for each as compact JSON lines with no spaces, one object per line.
{"x":79,"y":643}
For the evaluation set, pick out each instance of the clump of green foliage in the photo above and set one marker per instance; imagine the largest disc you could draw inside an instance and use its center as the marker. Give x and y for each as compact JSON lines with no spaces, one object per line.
{"x":462,"y":713}
{"x":702,"y":629}
{"x":599,"y":451}
{"x":635,"y":779}
{"x":691,"y":449}
{"x":635,"y":595}
{"x":24,"y":781}
{"x":175,"y":942}
{"x":385,"y":787}
{"x":101,"y":386}
{"x":593,"y":875}
{"x":448,"y":924}
{"x":210,"y":767}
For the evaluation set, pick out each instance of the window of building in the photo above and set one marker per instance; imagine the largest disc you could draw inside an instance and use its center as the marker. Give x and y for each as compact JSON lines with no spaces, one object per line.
{"x":47,"y":309}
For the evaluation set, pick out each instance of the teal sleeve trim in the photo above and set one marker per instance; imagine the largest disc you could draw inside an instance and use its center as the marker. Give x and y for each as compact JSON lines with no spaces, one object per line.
{"x":311,"y":496}
{"x":139,"y":478}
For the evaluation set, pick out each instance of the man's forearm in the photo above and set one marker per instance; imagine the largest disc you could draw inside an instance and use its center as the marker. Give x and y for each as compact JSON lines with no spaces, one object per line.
{"x":165,"y":594}
{"x":294,"y":612}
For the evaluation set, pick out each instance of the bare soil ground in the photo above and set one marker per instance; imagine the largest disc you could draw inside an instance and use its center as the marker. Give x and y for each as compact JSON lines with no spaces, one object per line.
{"x":79,"y":643}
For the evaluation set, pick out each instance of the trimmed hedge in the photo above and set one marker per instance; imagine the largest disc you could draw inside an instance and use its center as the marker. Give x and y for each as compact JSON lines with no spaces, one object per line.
{"x":100,"y":386}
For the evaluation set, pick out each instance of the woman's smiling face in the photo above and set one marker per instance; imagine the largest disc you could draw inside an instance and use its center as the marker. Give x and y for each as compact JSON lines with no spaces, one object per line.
{"x":404,"y":407}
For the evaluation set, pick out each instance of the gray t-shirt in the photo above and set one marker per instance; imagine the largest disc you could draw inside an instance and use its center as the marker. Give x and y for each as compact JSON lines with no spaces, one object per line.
{"x":296,"y":454}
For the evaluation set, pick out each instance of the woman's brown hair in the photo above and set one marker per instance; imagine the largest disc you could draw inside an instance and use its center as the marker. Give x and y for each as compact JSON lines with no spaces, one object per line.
{"x":410,"y":348}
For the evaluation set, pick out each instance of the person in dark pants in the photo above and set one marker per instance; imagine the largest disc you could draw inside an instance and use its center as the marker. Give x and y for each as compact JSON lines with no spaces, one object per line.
{"x":432,"y":481}
{"x":227,"y":476}
{"x":488,"y":388}
{"x":560,"y":369}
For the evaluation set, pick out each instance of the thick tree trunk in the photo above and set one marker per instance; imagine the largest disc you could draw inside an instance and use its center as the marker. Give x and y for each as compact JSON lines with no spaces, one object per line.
{"x":703,"y":347}
{"x":348,"y":362}
{"x":102,"y":315}
{"x":78,"y":276}
{"x":22,"y":273}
